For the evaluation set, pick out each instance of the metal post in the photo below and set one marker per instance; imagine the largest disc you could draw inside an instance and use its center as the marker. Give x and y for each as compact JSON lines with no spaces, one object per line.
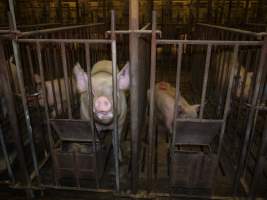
{"x":115,"y":138}
{"x":7,"y":91}
{"x":252,"y":111}
{"x":152,"y":98}
{"x":22,"y":90}
{"x":134,"y":74}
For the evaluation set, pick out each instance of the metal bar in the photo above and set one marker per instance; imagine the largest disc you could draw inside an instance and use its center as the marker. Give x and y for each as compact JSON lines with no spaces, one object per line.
{"x":261,"y":34}
{"x":64,"y":28}
{"x":259,"y":163}
{"x":152,"y":98}
{"x":146,"y":26}
{"x":134,"y":97}
{"x":50,"y":138}
{"x":204,"y":87}
{"x":212,"y":42}
{"x":175,"y":113}
{"x":90,"y":109}
{"x":30,"y":63}
{"x":227,"y":104}
{"x":66,"y":80}
{"x":199,"y":120}
{"x":115,"y":138}
{"x":262,"y":64}
{"x":139,"y":31}
{"x":89,"y":41}
{"x":25,"y":106}
{"x":4,"y":150}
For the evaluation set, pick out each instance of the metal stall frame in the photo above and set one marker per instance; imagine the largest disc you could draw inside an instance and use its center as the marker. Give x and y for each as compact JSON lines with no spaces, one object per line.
{"x":209,"y":44}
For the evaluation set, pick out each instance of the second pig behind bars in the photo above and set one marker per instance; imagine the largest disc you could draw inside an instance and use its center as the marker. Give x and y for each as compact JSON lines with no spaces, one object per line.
{"x":165,"y":103}
{"x":102,"y":89}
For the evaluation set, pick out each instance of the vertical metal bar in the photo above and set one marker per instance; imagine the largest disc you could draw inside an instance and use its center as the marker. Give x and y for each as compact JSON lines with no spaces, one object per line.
{"x":204,"y":87}
{"x":177,"y":97}
{"x":90,"y":108}
{"x":4,"y":150}
{"x":260,"y":163}
{"x":134,"y":90}
{"x":115,"y":137}
{"x":152,"y":97}
{"x":66,"y":80}
{"x":25,"y":106}
{"x":7,"y":91}
{"x":30,"y":63}
{"x":50,"y":138}
{"x":241,"y":163}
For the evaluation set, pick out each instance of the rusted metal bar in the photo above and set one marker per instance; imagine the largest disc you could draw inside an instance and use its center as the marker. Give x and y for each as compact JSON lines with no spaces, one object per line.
{"x":30,"y":63}
{"x":89,"y":41}
{"x":262,"y":64}
{"x":151,"y":128}
{"x":90,"y":109}
{"x":212,"y":42}
{"x":134,"y":97}
{"x":204,"y":87}
{"x":115,"y":137}
{"x":65,"y":28}
{"x":50,"y":138}
{"x":66,"y":79}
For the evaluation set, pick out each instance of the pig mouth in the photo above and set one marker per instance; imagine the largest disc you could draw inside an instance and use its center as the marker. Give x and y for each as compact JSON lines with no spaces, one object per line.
{"x":105,"y":117}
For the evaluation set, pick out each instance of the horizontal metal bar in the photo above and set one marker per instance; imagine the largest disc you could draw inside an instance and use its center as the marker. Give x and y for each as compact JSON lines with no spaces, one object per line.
{"x":200,"y":120}
{"x":64,"y":28}
{"x":141,"y":194}
{"x":134,"y":31}
{"x":88,"y":41}
{"x":211,"y":42}
{"x":31,"y":25}
{"x":235,"y":30}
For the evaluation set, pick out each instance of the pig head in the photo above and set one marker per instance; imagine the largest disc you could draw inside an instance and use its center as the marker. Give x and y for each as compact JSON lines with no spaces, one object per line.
{"x":102,"y":89}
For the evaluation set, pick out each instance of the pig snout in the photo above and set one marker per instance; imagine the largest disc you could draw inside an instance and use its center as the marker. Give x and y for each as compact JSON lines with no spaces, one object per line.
{"x":103,"y":109}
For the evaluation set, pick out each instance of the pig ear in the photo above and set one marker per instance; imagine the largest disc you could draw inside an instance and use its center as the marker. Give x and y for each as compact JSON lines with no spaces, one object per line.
{"x":196,"y":107}
{"x":124,"y":77}
{"x":81,"y":78}
{"x":37,"y":78}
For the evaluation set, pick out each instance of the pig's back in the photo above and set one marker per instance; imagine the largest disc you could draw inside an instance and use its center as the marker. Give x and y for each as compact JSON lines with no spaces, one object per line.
{"x":102,"y":66}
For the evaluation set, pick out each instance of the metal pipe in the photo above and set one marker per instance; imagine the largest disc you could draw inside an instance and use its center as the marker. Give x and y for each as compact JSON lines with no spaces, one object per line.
{"x":50,"y":138}
{"x":146,"y":26}
{"x":64,"y":28}
{"x":25,"y":106}
{"x":175,"y":113}
{"x":66,"y":80}
{"x":212,"y":42}
{"x":262,"y":64}
{"x":227,"y":104}
{"x":244,"y":32}
{"x":115,"y":137}
{"x":134,"y":97}
{"x":152,"y":98}
{"x":259,"y":163}
{"x":90,"y":109}
{"x":89,"y":41}
{"x":204,"y":87}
